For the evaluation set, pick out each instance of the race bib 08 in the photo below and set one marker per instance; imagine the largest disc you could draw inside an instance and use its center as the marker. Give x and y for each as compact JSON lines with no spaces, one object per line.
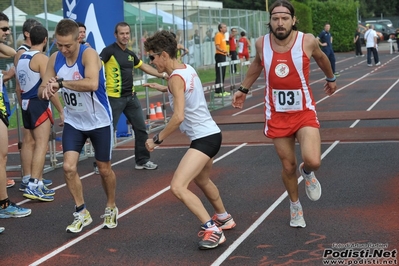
{"x":287,"y":100}
{"x":74,"y":101}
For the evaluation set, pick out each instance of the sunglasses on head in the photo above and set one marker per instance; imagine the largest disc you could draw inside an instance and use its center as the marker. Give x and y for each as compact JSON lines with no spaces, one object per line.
{"x":151,"y":56}
{"x":5,"y":29}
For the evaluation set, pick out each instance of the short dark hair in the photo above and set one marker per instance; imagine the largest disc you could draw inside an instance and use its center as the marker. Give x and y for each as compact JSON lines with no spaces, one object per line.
{"x":121,"y":24}
{"x":162,"y":41}
{"x":80,"y":24}
{"x":67,"y":27}
{"x":28,"y":25}
{"x":38,"y":34}
{"x":242,"y":33}
{"x":3,"y":17}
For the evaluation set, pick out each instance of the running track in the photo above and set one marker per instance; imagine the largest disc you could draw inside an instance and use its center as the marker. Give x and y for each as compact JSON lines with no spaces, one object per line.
{"x":359,"y":177}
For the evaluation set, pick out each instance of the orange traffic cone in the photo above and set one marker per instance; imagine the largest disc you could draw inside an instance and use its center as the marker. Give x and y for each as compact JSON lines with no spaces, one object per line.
{"x":153,"y":116}
{"x":159,"y":112}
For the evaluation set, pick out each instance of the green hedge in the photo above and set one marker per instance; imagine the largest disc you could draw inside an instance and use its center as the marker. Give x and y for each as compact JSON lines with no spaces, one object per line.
{"x":342,"y":16}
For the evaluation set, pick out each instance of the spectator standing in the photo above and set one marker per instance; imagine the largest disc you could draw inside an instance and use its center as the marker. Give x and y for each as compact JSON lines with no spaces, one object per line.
{"x":82,"y":34}
{"x":77,"y":71}
{"x":191,"y":115}
{"x":28,"y":143}
{"x":119,"y":62}
{"x":397,"y":38}
{"x":220,"y":57}
{"x":371,"y":44}
{"x":285,"y":55}
{"x":208,"y":36}
{"x":325,"y":40}
{"x":36,"y":114}
{"x":196,"y":37}
{"x":358,"y":44}
{"x":8,"y":209}
{"x":233,"y":48}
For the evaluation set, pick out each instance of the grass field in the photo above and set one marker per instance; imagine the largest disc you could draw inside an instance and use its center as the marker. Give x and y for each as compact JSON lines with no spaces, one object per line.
{"x":206,"y":75}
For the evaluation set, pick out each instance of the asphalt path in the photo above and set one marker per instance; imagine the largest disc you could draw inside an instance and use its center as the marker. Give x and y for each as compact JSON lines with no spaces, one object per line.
{"x":359,"y":177}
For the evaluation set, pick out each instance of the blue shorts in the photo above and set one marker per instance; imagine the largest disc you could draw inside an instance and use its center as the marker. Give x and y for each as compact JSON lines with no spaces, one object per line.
{"x":210,"y":145}
{"x":36,"y":112}
{"x":101,"y":138}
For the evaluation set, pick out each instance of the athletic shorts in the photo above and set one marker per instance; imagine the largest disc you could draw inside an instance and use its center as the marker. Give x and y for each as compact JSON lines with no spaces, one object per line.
{"x":209,"y":145}
{"x":101,"y":138}
{"x":4,"y":118}
{"x":35,"y":112}
{"x":244,"y":55}
{"x":287,"y":124}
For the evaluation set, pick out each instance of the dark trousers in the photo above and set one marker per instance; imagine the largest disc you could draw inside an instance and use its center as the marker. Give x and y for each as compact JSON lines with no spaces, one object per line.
{"x":358,"y":47}
{"x":131,"y":107}
{"x":219,"y":58}
{"x":330,"y":54}
{"x":233,"y":56}
{"x":375,"y":55}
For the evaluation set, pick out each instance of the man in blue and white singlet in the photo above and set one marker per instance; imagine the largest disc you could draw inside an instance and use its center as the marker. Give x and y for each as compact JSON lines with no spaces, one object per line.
{"x":191,"y":115}
{"x":76,"y":70}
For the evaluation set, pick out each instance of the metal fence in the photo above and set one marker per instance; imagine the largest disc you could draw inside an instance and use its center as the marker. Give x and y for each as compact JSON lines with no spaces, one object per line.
{"x":183,"y":20}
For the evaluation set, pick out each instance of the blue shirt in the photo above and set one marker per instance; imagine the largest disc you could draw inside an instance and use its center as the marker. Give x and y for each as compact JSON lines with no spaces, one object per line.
{"x":325,"y":37}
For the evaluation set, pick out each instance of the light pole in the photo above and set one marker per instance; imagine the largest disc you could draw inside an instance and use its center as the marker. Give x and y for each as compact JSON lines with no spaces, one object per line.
{"x":267,"y":6}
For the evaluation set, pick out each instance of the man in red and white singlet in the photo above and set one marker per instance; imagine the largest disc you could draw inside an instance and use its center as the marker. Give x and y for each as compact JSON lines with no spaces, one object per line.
{"x":290,"y":109}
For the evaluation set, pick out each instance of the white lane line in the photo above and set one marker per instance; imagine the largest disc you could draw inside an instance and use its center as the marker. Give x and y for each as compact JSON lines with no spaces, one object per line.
{"x":94,"y":230}
{"x":82,"y":177}
{"x":260,"y":220}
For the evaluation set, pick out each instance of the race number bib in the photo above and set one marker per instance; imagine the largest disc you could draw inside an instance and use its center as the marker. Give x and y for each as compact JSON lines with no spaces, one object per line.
{"x":287,"y":100}
{"x":74,"y":101}
{"x":240,"y":47}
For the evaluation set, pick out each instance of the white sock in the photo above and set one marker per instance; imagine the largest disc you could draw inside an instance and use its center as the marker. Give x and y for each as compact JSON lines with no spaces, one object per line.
{"x":213,"y":228}
{"x":25,"y":179}
{"x":222,"y":216}
{"x":33,"y":185}
{"x":296,"y":203}
{"x":40,"y":184}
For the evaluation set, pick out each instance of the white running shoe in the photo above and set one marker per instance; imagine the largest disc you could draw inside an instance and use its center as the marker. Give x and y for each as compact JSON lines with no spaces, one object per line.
{"x":312,"y":185}
{"x":297,"y":216}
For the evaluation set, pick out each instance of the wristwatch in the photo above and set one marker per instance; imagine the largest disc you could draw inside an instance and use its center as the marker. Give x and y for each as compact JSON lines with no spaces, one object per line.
{"x":60,"y":80}
{"x":156,"y":139}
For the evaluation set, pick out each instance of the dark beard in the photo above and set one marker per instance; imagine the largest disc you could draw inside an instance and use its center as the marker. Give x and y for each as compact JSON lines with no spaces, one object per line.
{"x":281,"y":36}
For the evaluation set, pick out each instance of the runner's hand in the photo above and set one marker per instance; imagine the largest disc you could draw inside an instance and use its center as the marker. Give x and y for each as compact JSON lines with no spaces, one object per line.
{"x":330,"y":88}
{"x":150,"y":145}
{"x":238,"y":99}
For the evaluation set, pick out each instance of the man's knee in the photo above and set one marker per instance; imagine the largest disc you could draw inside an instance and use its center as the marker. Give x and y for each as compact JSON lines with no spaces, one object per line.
{"x":69,"y":168}
{"x":313,"y":163}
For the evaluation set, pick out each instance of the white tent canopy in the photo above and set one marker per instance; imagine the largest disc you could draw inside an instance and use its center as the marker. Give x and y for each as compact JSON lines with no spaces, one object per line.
{"x":171,"y":19}
{"x":20,"y":16}
{"x":50,"y":17}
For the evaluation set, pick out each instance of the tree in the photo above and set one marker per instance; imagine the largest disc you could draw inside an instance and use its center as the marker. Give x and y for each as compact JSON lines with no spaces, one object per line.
{"x":33,"y":7}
